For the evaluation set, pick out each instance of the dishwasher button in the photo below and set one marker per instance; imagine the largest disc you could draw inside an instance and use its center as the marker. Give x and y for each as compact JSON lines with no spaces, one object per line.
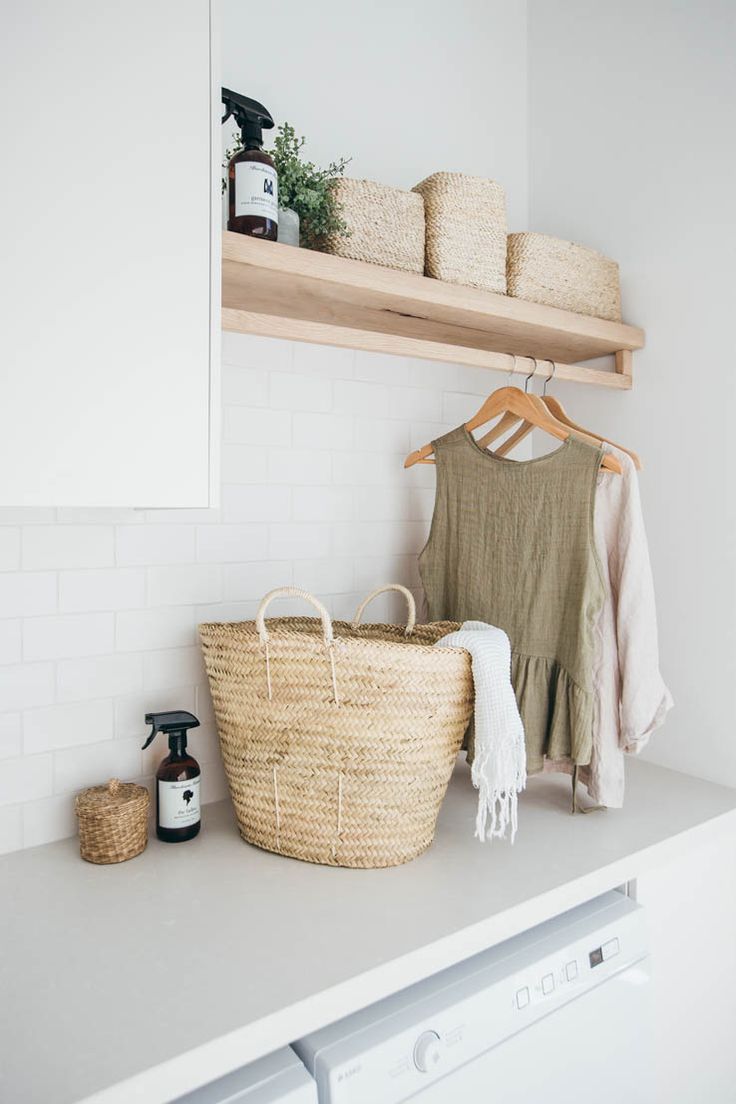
{"x":522,"y":998}
{"x":427,"y":1053}
{"x":571,"y":971}
{"x":548,"y":984}
{"x":610,"y":949}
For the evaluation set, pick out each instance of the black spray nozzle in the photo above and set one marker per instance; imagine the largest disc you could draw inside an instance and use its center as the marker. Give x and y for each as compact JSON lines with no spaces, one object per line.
{"x":251,"y":116}
{"x":174,"y":724}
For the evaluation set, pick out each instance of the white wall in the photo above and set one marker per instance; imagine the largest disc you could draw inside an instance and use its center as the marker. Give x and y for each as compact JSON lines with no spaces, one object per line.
{"x":98,"y":609}
{"x":632,"y":109}
{"x":405,"y":88}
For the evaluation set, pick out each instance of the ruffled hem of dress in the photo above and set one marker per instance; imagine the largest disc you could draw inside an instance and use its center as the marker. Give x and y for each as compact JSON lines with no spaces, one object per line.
{"x":550,"y":700}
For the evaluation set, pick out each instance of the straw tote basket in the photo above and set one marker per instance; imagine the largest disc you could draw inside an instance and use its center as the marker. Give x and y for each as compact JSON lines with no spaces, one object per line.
{"x":465,"y":218}
{"x":558,"y":273}
{"x":386,"y":225}
{"x":338,"y":739}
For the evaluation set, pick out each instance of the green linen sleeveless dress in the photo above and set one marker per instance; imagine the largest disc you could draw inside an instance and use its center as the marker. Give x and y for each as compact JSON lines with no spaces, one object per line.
{"x":512,"y":543}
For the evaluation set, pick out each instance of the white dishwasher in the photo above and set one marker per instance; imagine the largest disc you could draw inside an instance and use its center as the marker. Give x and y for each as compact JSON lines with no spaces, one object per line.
{"x":556,"y":1014}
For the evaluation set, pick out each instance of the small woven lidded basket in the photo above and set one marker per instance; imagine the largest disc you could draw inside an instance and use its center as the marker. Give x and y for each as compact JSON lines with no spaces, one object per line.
{"x":466,"y":229}
{"x":113,"y":821}
{"x":558,"y":273}
{"x":386,"y":225}
{"x":338,"y":739}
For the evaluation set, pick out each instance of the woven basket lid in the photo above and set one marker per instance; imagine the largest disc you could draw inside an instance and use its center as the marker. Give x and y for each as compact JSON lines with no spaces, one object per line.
{"x":111,"y":800}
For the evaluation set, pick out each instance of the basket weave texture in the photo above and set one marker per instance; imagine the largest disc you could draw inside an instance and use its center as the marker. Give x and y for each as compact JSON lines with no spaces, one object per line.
{"x":386,"y":225}
{"x":465,"y":219}
{"x":113,"y":821}
{"x":338,"y":739}
{"x":558,"y":273}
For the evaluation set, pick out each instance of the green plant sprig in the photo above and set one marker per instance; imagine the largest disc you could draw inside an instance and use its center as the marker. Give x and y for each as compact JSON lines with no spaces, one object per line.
{"x":304,"y":187}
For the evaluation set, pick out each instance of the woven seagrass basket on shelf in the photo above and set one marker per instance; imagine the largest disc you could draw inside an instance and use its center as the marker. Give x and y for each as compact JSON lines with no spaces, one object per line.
{"x":113,"y":821}
{"x":338,"y":739}
{"x":386,"y":225}
{"x":558,"y":273}
{"x":465,"y":218}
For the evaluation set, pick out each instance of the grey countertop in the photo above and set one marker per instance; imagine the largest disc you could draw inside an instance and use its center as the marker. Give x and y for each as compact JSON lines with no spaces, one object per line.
{"x":137,"y":982}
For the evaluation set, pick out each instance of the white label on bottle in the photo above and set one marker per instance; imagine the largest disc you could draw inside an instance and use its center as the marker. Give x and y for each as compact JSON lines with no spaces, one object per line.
{"x":256,"y":190}
{"x":178,"y":803}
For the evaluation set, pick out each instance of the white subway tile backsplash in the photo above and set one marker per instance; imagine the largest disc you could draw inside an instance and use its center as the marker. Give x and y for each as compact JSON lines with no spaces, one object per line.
{"x":183,"y":585}
{"x":98,"y":677}
{"x":299,"y":467}
{"x":244,"y":582}
{"x":367,"y":399}
{"x":244,"y":425}
{"x":423,"y":433}
{"x":67,"y":635}
{"x":106,"y":589}
{"x":11,"y":828}
{"x":299,"y":391}
{"x":323,"y":360}
{"x":327,"y":575}
{"x":244,"y":463}
{"x":298,"y":541}
{"x":23,"y":594}
{"x":74,"y":515}
{"x":458,"y":408}
{"x":9,"y":548}
{"x":179,"y":516}
{"x":319,"y":431}
{"x":11,"y":739}
{"x":380,"y":435}
{"x":51,"y":818}
{"x":416,"y":403}
{"x":94,"y":764}
{"x":137,"y":545}
{"x":25,"y":685}
{"x":255,"y":504}
{"x":373,"y":571}
{"x":368,"y":469}
{"x":244,"y":386}
{"x":231,"y":543}
{"x":382,"y":368}
{"x":150,"y":629}
{"x":361,"y":537}
{"x":27,"y":515}
{"x":130,"y":710}
{"x":10,"y":641}
{"x":62,"y":546}
{"x":323,"y":504}
{"x":59,"y":726}
{"x":26,"y":779}
{"x":256,"y":352}
{"x":394,"y":504}
{"x":107,"y":602}
{"x":173,"y":667}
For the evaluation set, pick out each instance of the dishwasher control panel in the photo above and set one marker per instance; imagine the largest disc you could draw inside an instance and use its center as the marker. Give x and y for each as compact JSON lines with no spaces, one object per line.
{"x":389,"y":1051}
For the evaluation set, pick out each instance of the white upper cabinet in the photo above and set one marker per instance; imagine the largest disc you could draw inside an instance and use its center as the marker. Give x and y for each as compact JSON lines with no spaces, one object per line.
{"x":106,"y":253}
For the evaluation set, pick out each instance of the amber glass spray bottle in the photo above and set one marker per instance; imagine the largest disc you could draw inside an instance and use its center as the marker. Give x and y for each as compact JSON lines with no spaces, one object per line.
{"x":177,"y":778}
{"x":253,"y":187}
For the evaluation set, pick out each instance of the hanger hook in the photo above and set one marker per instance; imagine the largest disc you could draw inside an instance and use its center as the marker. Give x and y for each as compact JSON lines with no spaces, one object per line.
{"x":551,"y":376}
{"x":531,"y":374}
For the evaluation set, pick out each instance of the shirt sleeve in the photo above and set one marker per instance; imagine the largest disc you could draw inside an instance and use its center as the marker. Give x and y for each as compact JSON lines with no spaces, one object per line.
{"x":644,"y":698}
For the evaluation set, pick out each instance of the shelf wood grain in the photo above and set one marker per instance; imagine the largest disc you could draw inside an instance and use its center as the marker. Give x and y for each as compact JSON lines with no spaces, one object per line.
{"x":298,"y":294}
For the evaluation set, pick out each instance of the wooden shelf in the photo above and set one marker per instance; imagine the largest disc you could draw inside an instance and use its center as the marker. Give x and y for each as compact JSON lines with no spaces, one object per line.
{"x":278,"y":291}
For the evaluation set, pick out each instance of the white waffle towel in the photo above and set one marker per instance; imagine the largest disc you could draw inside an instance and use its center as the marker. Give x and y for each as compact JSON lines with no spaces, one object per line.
{"x":499,"y":764}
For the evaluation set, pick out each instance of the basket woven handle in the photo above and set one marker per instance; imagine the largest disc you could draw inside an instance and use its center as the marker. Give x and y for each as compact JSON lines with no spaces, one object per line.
{"x":411,"y":619}
{"x":293,"y":592}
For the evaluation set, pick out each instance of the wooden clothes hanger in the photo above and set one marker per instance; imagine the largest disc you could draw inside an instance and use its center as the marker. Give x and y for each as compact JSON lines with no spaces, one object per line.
{"x":522,"y":406}
{"x":558,"y":411}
